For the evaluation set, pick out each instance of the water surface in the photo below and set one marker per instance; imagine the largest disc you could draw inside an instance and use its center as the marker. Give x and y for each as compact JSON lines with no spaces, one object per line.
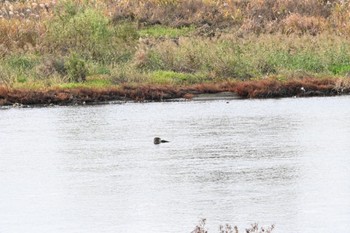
{"x":96,"y":170}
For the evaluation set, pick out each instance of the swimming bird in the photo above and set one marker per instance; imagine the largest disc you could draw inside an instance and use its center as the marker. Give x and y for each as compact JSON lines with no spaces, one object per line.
{"x":157,"y":140}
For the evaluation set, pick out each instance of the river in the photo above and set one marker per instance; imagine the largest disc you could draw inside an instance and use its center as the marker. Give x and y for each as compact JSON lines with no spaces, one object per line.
{"x":95,"y":169}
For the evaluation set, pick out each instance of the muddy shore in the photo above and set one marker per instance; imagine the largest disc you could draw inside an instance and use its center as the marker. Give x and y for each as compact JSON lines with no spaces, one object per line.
{"x":268,"y":88}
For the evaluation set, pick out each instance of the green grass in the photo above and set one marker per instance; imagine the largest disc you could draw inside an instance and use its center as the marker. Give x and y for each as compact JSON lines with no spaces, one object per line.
{"x":90,"y":83}
{"x":340,"y":69}
{"x":98,"y":82}
{"x":21,"y":62}
{"x":171,"y":77}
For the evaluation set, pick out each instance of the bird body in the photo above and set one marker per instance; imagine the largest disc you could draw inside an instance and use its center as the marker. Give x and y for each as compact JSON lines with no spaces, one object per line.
{"x":157,"y":140}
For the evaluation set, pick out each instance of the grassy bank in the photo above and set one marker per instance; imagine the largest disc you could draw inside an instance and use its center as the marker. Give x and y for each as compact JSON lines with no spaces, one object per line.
{"x":103,"y":45}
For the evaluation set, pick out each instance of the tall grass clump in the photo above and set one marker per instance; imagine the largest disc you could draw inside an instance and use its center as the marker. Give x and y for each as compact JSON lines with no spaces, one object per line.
{"x":85,"y":30}
{"x":76,"y":69}
{"x":20,"y":66}
{"x":216,"y":58}
{"x":6,"y":77}
{"x":231,"y":57}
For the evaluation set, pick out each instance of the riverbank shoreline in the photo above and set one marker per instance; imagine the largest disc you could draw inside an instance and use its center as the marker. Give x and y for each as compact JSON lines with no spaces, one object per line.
{"x":73,"y":53}
{"x":265,"y":88}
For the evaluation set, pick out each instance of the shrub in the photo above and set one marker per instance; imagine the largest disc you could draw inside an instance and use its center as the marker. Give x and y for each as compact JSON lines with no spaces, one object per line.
{"x":78,"y":28}
{"x":51,"y":66}
{"x":76,"y":69}
{"x":85,"y":30}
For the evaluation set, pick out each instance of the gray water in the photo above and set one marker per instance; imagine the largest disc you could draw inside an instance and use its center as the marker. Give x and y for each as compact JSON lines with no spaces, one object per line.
{"x":96,"y":170}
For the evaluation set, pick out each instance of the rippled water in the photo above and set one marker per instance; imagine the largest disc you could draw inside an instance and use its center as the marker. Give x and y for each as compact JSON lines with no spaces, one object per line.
{"x":96,"y":169}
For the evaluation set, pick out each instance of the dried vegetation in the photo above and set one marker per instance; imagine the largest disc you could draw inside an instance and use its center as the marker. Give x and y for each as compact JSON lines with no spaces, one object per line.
{"x":47,"y":45}
{"x":254,"y":228}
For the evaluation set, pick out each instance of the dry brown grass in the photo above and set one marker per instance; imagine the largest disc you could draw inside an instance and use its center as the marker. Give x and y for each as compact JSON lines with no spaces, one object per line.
{"x":254,"y":228}
{"x":23,"y":24}
{"x":257,"y":16}
{"x":342,"y":86}
{"x":299,"y":24}
{"x":25,"y":9}
{"x":179,"y":13}
{"x":268,"y":15}
{"x":19,"y":35}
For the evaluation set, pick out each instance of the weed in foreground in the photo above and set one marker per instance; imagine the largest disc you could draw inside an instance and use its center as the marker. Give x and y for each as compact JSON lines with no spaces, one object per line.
{"x":254,"y":228}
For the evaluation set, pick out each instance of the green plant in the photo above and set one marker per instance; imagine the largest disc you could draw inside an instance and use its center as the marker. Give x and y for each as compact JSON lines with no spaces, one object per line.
{"x":21,"y":79}
{"x":103,"y":70}
{"x":171,"y":77}
{"x":6,"y":78}
{"x":127,"y":32}
{"x":87,"y":32}
{"x":126,"y":73}
{"x":21,"y":62}
{"x":51,"y":66}
{"x":98,"y":82}
{"x":340,"y":69}
{"x":76,"y":69}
